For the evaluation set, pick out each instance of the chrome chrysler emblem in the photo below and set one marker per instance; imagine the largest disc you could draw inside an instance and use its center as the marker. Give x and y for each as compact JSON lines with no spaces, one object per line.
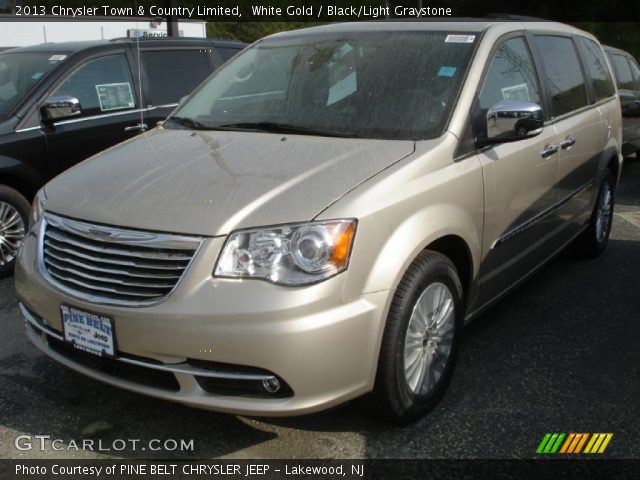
{"x":102,"y":233}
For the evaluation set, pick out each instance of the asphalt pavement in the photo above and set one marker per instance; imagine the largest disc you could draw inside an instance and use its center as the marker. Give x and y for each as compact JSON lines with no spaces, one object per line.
{"x":560,"y":354}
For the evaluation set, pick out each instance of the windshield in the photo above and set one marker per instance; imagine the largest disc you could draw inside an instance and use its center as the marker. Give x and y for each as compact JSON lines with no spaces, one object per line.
{"x":20,"y":72}
{"x":389,"y":85}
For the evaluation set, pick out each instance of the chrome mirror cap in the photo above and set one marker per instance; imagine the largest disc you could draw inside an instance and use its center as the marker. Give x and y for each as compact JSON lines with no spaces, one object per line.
{"x":512,"y":120}
{"x":63,"y":106}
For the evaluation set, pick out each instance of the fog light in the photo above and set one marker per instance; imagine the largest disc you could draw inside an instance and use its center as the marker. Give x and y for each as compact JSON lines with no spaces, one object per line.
{"x":272,"y":385}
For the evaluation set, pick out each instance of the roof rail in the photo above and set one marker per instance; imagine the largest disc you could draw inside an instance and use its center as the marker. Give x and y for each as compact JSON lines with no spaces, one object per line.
{"x":146,"y":39}
{"x":510,"y":16}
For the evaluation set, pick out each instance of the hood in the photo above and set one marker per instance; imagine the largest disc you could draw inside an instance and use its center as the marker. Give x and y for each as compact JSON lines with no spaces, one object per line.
{"x":211,"y":182}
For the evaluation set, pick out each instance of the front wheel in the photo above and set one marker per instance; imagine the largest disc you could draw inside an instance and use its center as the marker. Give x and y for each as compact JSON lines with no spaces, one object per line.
{"x":595,"y":238}
{"x":420,"y":342}
{"x":14,"y":216}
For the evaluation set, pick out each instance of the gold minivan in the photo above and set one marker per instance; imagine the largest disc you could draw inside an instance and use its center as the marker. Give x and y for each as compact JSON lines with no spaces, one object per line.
{"x":321,"y":217}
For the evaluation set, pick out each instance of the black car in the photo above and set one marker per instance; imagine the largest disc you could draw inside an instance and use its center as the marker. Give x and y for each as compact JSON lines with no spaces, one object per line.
{"x":627,"y":75}
{"x":62,"y":102}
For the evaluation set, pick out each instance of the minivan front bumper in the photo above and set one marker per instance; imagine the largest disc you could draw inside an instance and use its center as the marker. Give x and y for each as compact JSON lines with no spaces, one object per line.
{"x":212,"y":335}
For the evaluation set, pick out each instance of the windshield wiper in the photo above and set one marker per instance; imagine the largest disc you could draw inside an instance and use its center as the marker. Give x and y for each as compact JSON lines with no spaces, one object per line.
{"x":274,"y":127}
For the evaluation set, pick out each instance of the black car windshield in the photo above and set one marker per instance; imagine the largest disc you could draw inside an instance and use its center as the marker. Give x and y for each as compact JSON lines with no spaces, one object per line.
{"x":387,"y":85}
{"x":20,"y":72}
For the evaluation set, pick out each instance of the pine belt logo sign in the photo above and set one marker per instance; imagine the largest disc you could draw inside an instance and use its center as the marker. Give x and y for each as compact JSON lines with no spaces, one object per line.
{"x":562,"y":443}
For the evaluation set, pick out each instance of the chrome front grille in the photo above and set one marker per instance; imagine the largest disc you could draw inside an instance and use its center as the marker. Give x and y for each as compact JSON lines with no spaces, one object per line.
{"x":111,"y":265}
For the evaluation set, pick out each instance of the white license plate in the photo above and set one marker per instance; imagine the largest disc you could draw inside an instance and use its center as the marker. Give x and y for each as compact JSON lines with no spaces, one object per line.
{"x":87,"y":331}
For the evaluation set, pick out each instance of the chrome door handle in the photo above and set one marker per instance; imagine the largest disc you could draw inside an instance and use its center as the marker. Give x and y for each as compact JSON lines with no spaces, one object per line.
{"x":567,"y":143}
{"x":140,"y":127}
{"x":549,"y":150}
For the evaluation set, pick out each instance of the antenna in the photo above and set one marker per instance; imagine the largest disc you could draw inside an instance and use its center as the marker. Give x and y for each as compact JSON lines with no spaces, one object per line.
{"x":143,"y":127}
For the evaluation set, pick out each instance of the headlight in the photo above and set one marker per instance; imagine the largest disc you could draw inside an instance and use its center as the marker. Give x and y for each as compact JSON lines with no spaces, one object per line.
{"x":290,"y":254}
{"x":37,"y":208}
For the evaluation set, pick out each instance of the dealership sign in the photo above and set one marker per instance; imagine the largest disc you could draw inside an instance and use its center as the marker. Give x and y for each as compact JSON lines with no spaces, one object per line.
{"x":148,"y":33}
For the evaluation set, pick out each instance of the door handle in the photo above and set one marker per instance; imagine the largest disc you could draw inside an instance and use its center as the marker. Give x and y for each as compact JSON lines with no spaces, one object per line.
{"x":567,"y":143}
{"x":140,"y":127}
{"x":549,"y":150}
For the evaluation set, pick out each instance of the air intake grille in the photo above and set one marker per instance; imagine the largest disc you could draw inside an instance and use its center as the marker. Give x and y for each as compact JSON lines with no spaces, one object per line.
{"x":111,"y":265}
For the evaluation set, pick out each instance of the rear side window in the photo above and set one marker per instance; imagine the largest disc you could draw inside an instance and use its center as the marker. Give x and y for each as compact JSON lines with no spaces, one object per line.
{"x":635,"y":71}
{"x":562,"y":74}
{"x":511,"y":76}
{"x":624,"y":79}
{"x":172,"y":74}
{"x":597,"y":69}
{"x":103,"y":85}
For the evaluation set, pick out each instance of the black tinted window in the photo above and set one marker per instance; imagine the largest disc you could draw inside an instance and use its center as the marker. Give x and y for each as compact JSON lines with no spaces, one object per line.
{"x":599,"y":76}
{"x":172,"y":74}
{"x":635,"y":71}
{"x":20,"y":73}
{"x":511,"y":76}
{"x":562,"y":75}
{"x":624,"y":79}
{"x":102,"y":85}
{"x":227,"y":52}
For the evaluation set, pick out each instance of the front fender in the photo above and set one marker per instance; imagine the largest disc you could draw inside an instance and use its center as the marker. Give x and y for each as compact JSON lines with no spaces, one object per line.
{"x":23,"y":174}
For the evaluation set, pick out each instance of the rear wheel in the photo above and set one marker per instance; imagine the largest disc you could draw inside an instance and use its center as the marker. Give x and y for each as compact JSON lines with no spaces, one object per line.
{"x":420,"y":342}
{"x":14,"y":217}
{"x":594,"y":240}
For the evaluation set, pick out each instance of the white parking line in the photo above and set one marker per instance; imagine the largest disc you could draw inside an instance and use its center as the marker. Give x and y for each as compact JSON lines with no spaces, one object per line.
{"x":632,"y":217}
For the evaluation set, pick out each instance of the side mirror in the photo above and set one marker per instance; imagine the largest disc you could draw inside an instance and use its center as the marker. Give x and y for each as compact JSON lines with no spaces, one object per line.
{"x":513,"y":120}
{"x":64,"y":106}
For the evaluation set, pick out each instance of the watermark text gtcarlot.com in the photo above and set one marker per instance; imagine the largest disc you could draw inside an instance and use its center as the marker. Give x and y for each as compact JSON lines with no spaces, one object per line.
{"x":45,"y":442}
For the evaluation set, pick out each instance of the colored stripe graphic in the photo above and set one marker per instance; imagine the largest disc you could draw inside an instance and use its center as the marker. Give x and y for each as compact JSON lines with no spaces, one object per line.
{"x":568,"y":442}
{"x":605,"y":443}
{"x":543,"y":443}
{"x":555,"y":447}
{"x":573,"y":443}
{"x":578,"y":448}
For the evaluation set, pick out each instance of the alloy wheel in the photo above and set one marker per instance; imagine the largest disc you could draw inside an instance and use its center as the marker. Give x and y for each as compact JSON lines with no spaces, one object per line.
{"x":603,"y":214}
{"x":429,"y":338}
{"x":12,"y":231}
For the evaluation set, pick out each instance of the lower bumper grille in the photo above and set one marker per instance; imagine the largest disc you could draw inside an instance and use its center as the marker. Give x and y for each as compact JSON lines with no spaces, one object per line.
{"x":114,"y":368}
{"x":213,"y":377}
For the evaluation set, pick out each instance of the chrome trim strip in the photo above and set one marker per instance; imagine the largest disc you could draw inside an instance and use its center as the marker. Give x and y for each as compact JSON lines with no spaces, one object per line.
{"x":119,"y":236}
{"x":123,"y":236}
{"x":159,"y":273}
{"x":94,"y":117}
{"x":189,"y":370}
{"x":115,"y":291}
{"x":27,"y":129}
{"x":536,"y":218}
{"x":113,"y":114}
{"x":186,"y":369}
{"x":144,"y":282}
{"x":60,"y":237}
{"x":168,"y":105}
{"x":122,"y":262}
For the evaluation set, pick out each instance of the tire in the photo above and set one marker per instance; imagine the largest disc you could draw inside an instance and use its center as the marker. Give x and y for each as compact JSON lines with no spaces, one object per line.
{"x":401,"y":394}
{"x":594,"y":239}
{"x":14,"y":219}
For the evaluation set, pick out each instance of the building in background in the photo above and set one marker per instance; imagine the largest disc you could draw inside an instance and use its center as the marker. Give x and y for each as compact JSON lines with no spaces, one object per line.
{"x":19,"y":33}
